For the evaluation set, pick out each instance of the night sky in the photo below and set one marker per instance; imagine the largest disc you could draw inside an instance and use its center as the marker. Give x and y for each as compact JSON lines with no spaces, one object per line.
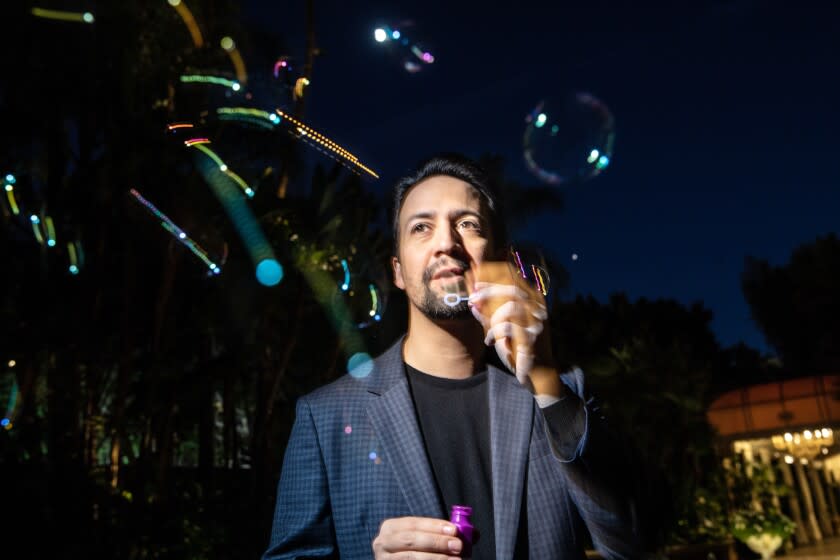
{"x":726,"y":124}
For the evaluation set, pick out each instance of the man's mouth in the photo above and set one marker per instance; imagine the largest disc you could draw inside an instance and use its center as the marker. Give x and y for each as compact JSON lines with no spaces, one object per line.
{"x":450,"y":272}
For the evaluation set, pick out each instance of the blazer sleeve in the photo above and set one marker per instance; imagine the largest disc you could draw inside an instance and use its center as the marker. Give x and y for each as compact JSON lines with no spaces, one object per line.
{"x":613,"y":491}
{"x":303,"y":525}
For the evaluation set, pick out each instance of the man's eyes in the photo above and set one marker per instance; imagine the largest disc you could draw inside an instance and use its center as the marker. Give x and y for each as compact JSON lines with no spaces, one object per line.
{"x":469,"y":224}
{"x":423,"y":227}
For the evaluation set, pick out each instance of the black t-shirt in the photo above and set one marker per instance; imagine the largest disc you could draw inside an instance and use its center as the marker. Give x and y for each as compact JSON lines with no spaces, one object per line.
{"x":454,"y":417}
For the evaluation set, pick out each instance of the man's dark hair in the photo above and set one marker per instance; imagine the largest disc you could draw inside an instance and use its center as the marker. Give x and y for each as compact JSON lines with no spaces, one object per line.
{"x":460,"y":167}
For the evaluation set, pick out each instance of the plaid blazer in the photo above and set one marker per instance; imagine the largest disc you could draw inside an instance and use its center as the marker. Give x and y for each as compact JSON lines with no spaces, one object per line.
{"x":356,"y":457}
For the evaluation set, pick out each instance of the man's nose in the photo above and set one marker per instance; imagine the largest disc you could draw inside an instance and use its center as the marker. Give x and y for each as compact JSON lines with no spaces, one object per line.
{"x":448,"y":239}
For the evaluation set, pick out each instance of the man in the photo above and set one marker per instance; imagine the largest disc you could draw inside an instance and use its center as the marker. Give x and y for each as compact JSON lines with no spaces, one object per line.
{"x":377,"y":458}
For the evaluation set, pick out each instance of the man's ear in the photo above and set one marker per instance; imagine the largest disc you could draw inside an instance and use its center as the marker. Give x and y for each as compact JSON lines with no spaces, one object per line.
{"x":399,"y":282}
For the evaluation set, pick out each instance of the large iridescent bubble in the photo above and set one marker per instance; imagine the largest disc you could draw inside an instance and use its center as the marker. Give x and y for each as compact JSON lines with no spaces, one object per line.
{"x":568,"y":140}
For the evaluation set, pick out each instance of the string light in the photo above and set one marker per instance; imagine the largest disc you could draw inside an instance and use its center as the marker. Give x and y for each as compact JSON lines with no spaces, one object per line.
{"x":177,"y":232}
{"x":320,"y":141}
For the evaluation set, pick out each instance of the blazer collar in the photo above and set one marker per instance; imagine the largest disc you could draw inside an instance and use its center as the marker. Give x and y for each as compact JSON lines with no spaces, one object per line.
{"x":395,"y":422}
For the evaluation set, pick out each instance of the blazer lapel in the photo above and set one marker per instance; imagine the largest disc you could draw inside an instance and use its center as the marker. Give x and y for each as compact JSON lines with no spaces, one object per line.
{"x":511,"y":419}
{"x":395,"y":422}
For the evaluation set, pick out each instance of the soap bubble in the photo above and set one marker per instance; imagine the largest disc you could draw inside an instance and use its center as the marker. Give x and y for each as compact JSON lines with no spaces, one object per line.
{"x":357,"y":296}
{"x":569,"y":140}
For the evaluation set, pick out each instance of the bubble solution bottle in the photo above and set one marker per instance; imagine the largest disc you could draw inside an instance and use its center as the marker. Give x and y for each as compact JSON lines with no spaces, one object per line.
{"x":460,"y":517}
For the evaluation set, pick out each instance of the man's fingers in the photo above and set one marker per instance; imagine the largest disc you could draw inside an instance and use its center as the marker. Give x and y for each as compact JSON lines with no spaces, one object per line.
{"x":419,"y":541}
{"x":416,"y":537}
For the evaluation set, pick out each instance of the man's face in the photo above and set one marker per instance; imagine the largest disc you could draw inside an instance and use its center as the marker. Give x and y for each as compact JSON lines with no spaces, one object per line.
{"x":443,"y":233}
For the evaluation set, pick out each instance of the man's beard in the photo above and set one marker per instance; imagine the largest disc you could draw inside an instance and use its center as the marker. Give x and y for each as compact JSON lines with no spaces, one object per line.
{"x":433,"y":305}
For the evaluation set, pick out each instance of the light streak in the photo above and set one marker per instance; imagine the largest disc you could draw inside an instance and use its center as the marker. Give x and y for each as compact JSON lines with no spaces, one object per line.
{"x":176,"y":126}
{"x":177,"y":232}
{"x":300,"y":83}
{"x":346,"y":285}
{"x":249,"y":192}
{"x":198,"y":78}
{"x":247,"y":114}
{"x":74,"y":259}
{"x":36,"y":228}
{"x":12,"y":403}
{"x":539,"y":280}
{"x":282,"y":62}
{"x":196,"y":141}
{"x":189,"y":21}
{"x":10,"y":194}
{"x":374,"y":310}
{"x":312,"y":137}
{"x":61,"y":15}
{"x":268,"y":270}
{"x":229,"y":46}
{"x":50,"y":231}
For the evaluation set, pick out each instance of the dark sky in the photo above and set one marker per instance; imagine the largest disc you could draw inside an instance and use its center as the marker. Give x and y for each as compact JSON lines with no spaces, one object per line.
{"x":726,"y":124}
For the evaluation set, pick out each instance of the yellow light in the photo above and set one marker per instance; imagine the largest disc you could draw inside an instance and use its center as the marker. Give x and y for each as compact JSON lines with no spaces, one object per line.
{"x":789,"y":459}
{"x":12,"y":202}
{"x":189,"y":21}
{"x":788,"y":437}
{"x":36,"y":229}
{"x":61,"y":15}
{"x":307,"y":132}
{"x":228,"y":44}
{"x":807,"y":434}
{"x":238,"y":66}
{"x":12,"y":363}
{"x":299,"y":85}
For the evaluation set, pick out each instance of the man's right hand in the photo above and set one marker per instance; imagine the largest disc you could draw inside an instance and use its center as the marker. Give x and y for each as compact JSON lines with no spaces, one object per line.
{"x":416,"y":538}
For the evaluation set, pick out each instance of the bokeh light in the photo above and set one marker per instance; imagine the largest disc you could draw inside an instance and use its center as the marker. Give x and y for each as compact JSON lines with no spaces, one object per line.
{"x":380,"y":35}
{"x":570,"y":140}
{"x":269,"y":272}
{"x":360,"y":365}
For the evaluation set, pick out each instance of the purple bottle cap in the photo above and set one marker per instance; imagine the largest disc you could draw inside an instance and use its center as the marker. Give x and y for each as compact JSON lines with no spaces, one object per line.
{"x":460,"y":517}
